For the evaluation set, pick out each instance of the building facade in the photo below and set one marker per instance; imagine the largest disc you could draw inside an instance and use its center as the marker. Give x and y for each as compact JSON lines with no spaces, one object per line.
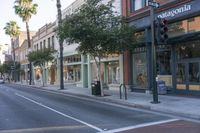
{"x":45,"y":37}
{"x":17,"y":54}
{"x":178,"y":62}
{"x":81,"y":70}
{"x":24,"y":64}
{"x":5,"y":54}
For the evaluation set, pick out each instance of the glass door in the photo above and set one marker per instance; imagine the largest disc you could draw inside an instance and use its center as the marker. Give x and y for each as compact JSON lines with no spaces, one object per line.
{"x":181,"y":76}
{"x":193,"y":70}
{"x":187,"y":76}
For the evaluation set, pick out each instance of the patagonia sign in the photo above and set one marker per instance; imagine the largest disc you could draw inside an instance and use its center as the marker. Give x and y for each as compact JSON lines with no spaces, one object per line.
{"x":175,"y":12}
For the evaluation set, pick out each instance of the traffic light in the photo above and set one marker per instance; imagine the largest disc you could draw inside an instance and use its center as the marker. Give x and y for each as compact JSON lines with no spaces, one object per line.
{"x":161,"y":32}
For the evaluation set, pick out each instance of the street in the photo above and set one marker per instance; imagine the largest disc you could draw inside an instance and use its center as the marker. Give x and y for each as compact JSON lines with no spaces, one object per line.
{"x":30,"y":110}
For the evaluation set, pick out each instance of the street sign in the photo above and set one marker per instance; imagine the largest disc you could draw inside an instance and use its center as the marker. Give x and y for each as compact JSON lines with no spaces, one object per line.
{"x":153,"y":4}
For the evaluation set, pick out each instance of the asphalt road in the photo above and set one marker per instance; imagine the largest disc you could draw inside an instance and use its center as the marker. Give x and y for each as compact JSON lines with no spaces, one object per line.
{"x":29,"y":110}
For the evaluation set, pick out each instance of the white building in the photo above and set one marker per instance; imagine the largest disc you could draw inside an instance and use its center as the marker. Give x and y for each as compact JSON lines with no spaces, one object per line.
{"x":81,"y":70}
{"x":5,"y":53}
{"x":45,"y":37}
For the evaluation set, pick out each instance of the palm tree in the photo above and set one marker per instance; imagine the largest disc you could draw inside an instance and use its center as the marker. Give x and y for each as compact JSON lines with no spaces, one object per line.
{"x":58,"y":4}
{"x":25,"y":9}
{"x":12,"y":29}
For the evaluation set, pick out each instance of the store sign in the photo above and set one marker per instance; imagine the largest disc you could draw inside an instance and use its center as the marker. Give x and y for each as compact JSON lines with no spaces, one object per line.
{"x":176,"y":11}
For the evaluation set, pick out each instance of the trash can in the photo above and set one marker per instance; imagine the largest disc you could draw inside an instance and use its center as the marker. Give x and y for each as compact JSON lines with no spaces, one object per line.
{"x":162,"y":89}
{"x":96,"y":88}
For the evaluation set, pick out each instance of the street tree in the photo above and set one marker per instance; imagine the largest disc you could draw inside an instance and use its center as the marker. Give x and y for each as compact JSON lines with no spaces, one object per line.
{"x":6,"y":68}
{"x":25,"y":9}
{"x":60,"y":40}
{"x":40,"y":58}
{"x":13,"y":30}
{"x":99,"y":31}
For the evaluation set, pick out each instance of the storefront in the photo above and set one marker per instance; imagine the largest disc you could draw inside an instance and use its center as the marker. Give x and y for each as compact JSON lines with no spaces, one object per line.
{"x":140,"y":80}
{"x":72,"y":68}
{"x":177,"y":62}
{"x":110,"y":72}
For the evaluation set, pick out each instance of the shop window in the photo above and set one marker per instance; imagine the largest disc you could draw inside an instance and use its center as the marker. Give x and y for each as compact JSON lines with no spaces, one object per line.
{"x":185,"y":51}
{"x":180,"y":74}
{"x":191,"y":25}
{"x":137,"y":4}
{"x":184,"y":27}
{"x":140,"y":70}
{"x":113,"y":73}
{"x":194,"y":72}
{"x":65,"y":73}
{"x":163,"y":63}
{"x":176,"y":29}
{"x":72,"y":59}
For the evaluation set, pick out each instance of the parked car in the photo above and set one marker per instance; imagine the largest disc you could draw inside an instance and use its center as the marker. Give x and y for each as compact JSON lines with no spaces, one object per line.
{"x":2,"y":81}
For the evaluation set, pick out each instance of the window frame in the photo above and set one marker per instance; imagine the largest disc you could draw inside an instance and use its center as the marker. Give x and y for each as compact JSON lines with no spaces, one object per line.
{"x":143,"y":3}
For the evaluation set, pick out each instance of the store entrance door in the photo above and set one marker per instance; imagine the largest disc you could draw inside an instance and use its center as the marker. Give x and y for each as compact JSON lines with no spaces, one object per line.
{"x":187,"y":76}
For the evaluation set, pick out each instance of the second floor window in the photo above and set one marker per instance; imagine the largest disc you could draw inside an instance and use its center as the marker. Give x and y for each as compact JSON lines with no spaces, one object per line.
{"x":138,"y":4}
{"x":49,"y":43}
{"x":53,"y":42}
{"x":44,"y":43}
{"x":40,"y":45}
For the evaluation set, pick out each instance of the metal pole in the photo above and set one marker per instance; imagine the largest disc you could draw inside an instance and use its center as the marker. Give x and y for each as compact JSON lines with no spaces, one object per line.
{"x":153,"y":53}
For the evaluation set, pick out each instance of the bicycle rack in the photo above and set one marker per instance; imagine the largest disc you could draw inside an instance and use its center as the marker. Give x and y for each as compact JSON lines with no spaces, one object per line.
{"x":124,"y":89}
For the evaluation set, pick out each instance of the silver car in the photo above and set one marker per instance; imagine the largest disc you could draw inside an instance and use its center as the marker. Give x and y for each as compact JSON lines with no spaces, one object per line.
{"x":2,"y":81}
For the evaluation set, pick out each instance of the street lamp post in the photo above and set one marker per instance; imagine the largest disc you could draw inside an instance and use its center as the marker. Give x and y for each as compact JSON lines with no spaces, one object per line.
{"x":153,"y":5}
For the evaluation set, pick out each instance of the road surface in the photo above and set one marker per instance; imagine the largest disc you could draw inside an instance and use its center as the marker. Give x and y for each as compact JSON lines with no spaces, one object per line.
{"x":29,"y":110}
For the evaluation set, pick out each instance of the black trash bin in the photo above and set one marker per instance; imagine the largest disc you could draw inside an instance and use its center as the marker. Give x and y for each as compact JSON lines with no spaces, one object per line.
{"x":96,"y":88}
{"x":162,"y":89}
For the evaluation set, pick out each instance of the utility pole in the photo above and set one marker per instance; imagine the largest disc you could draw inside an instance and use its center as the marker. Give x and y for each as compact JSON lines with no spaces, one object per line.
{"x":153,"y":5}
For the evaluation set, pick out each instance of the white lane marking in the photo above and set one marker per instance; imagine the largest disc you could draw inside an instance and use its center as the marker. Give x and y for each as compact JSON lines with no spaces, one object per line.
{"x":139,"y":126}
{"x":58,"y":112}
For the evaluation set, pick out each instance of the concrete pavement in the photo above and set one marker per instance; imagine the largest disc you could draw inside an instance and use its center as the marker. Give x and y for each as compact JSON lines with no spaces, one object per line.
{"x":177,"y":105}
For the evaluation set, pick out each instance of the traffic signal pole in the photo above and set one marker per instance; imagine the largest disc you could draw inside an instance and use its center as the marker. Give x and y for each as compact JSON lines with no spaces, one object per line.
{"x":153,"y":57}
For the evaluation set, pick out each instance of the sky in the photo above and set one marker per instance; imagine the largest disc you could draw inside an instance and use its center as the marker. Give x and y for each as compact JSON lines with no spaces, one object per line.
{"x":46,"y":13}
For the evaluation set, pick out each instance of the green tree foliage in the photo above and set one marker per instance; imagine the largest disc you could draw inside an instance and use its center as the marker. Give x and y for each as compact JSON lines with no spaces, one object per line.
{"x":25,"y":9}
{"x":98,"y":30}
{"x":41,"y":57}
{"x":5,"y":68}
{"x":12,"y":29}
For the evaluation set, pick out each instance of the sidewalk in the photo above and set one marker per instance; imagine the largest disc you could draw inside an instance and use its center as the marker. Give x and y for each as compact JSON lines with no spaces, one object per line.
{"x":176,"y":105}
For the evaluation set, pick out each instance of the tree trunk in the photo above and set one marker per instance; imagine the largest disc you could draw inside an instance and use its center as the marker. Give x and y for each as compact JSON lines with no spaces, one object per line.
{"x":43,"y":75}
{"x":29,"y":47}
{"x":98,"y":64}
{"x":13,"y":48}
{"x":60,"y":44}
